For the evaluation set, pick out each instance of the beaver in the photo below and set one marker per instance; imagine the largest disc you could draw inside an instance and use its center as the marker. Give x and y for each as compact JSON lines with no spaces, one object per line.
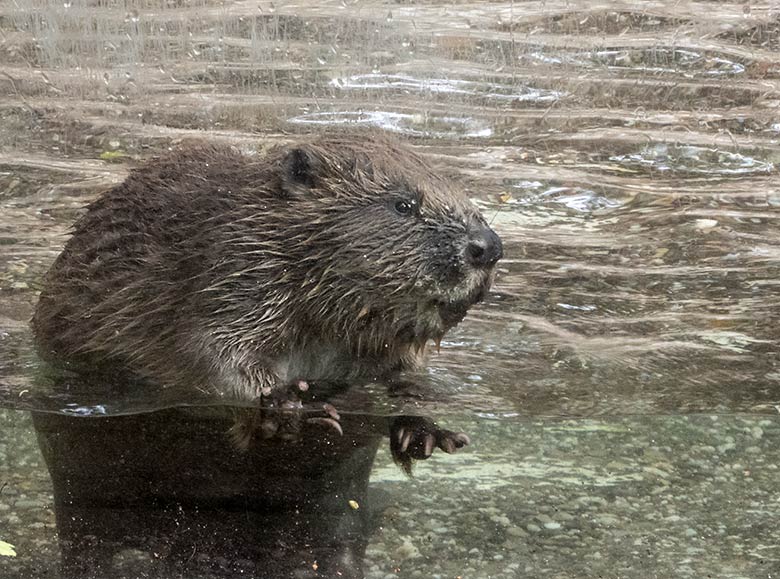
{"x":251,"y":276}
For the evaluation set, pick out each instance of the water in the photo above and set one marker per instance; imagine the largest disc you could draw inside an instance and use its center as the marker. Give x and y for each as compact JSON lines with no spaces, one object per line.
{"x":621,"y":383}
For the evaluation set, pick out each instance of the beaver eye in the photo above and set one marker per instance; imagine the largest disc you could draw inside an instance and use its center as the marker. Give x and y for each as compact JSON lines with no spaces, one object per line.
{"x":403,"y":207}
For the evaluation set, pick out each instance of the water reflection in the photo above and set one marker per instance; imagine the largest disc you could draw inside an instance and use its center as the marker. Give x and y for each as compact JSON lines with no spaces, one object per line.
{"x":693,"y":160}
{"x":414,"y":125}
{"x":577,"y":198}
{"x":168,"y":492}
{"x":457,"y":87}
{"x":656,"y":60}
{"x":171,"y":484}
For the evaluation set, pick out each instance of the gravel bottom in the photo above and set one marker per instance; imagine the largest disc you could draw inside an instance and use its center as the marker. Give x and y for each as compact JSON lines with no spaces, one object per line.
{"x":642,"y":497}
{"x":652,"y":497}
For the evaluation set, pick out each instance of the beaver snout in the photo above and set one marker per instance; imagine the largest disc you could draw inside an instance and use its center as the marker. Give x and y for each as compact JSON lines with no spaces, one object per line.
{"x":484,"y":248}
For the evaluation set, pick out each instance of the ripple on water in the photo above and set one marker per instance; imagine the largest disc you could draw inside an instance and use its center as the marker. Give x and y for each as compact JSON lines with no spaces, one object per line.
{"x":73,"y":409}
{"x":418,"y":125}
{"x":504,"y":92}
{"x":692,"y":160}
{"x":597,"y":21}
{"x":689,"y":63}
{"x":579,"y":199}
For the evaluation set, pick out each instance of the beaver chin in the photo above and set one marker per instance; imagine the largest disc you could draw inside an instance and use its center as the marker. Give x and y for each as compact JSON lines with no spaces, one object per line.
{"x":451,"y":307}
{"x":452,"y":312}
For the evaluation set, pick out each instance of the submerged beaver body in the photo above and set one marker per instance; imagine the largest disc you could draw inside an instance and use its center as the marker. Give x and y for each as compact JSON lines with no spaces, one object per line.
{"x":337,"y":259}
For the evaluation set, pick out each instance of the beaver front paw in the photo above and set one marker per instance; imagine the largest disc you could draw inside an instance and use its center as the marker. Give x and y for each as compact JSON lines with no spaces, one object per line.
{"x":416,"y":437}
{"x":282,"y":415}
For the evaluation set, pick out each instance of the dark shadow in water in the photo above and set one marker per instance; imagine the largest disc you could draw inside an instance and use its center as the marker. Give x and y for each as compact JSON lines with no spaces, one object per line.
{"x":167,"y":493}
{"x":171,"y":485}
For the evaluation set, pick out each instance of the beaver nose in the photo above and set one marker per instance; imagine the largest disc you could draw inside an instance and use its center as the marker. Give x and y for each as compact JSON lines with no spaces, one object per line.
{"x":484,"y":248}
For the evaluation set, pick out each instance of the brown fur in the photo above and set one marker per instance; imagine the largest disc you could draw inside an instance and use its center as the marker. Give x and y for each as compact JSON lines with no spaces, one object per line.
{"x":235,"y":274}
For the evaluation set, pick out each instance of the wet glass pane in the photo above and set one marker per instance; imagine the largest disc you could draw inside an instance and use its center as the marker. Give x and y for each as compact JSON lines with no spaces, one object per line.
{"x":618,"y":386}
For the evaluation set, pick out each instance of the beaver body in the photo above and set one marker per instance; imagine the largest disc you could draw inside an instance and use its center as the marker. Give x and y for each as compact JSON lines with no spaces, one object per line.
{"x":336,"y":259}
{"x":246,"y":277}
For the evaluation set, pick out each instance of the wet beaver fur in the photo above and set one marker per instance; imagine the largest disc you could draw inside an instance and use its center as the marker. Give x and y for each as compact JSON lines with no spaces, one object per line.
{"x":249,"y":276}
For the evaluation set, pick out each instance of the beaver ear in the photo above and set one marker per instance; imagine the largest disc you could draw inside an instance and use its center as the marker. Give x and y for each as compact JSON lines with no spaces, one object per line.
{"x":299,"y":169}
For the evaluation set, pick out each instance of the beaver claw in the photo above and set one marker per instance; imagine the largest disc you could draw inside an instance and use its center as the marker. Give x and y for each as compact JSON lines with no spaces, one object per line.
{"x":450,"y":441}
{"x":415,"y":438}
{"x":332,"y":420}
